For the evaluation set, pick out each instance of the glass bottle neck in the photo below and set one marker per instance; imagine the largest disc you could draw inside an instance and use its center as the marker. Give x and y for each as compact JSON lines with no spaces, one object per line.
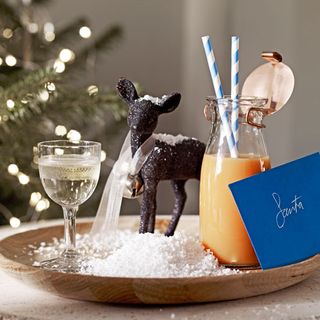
{"x":250,"y":142}
{"x":246,"y":139}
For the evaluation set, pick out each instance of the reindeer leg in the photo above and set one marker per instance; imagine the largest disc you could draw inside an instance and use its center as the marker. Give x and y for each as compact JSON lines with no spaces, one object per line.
{"x":152,"y":216}
{"x":148,"y":206}
{"x":151,"y":222}
{"x":180,"y":200}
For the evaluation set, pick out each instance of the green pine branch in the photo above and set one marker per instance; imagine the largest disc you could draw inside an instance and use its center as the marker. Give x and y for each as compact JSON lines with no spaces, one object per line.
{"x":9,"y":15}
{"x":66,"y":37}
{"x":105,"y":42}
{"x":33,"y":117}
{"x":24,"y":94}
{"x":70,"y":32}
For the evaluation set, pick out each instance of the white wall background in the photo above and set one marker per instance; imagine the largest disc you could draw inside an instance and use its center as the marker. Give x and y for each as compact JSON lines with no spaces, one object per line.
{"x":162,"y":50}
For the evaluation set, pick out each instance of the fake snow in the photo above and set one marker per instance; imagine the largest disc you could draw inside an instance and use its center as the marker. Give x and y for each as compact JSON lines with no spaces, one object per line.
{"x":155,"y":100}
{"x":170,"y":139}
{"x":129,"y":254}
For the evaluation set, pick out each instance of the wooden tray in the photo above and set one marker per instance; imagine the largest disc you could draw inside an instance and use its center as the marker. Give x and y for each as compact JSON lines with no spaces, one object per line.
{"x":14,"y":260}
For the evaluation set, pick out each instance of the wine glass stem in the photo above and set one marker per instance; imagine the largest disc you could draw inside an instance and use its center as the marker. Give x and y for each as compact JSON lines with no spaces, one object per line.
{"x":70,"y":231}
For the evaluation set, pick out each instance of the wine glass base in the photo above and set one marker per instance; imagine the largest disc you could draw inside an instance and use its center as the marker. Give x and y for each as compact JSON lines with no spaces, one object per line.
{"x":64,"y":263}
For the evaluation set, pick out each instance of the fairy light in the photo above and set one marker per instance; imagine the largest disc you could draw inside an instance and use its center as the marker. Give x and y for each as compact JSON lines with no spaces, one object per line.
{"x":1,"y":61}
{"x":74,"y":135}
{"x":103,"y":156}
{"x":59,"y":66}
{"x":85,"y":32}
{"x":48,"y":27}
{"x":7,"y":33}
{"x":49,"y":36}
{"x":60,"y":130}
{"x":35,"y":153}
{"x":35,"y":197}
{"x":50,"y":86}
{"x":13,"y":169}
{"x":42,"y":205}
{"x":92,"y":90}
{"x":66,"y":55}
{"x":48,"y":30}
{"x":10,"y":104}
{"x":10,"y":60}
{"x":36,"y":201}
{"x":33,"y":27}
{"x":14,"y":222}
{"x":47,"y":202}
{"x":44,"y":95}
{"x":23,"y":178}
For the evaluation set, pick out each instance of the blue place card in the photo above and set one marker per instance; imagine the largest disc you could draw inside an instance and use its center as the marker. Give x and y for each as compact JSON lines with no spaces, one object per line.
{"x":281,"y":211}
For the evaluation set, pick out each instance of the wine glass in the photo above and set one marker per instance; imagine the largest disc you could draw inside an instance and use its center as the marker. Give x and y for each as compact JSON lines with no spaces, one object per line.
{"x":69,"y":172}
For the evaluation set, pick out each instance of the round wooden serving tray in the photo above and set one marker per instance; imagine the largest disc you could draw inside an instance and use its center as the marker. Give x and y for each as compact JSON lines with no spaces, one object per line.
{"x":14,"y":260}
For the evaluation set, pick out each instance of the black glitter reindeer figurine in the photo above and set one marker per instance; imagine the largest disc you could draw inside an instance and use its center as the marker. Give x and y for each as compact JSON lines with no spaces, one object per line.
{"x":175,"y":158}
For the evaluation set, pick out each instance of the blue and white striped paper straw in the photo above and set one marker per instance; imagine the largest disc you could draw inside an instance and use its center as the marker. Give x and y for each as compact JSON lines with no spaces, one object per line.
{"x":213,"y":68}
{"x":235,"y":87}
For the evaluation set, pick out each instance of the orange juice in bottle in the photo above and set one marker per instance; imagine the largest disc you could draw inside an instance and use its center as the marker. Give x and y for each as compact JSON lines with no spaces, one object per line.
{"x":221,"y":228}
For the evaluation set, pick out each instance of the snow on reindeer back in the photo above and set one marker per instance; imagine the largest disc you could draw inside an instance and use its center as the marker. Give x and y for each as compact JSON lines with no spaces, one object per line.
{"x":170,"y":139}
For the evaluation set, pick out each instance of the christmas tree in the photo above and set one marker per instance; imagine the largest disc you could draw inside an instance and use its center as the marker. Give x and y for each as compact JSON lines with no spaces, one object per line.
{"x":41,"y":98}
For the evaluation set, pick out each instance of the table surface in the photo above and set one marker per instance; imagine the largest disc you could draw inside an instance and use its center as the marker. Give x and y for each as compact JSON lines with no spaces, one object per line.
{"x":18,"y":301}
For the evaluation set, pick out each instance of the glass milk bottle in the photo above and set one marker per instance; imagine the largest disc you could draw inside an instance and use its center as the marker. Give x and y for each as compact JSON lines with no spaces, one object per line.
{"x":221,"y":228}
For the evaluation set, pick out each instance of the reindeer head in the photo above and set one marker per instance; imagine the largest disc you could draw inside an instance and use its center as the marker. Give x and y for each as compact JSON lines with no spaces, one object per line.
{"x":143,"y":113}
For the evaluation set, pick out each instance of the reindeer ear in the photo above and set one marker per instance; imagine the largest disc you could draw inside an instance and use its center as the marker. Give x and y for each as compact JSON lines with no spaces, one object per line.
{"x":126,"y":90}
{"x":170,"y":103}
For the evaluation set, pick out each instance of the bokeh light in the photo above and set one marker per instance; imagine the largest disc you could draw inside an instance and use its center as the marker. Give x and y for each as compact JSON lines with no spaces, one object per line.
{"x":15,"y":222}
{"x":10,"y":60}
{"x":85,"y":32}
{"x":13,"y":169}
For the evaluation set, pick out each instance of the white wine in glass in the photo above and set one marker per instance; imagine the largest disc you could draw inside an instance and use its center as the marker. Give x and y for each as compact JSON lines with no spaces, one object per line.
{"x":69,"y":172}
